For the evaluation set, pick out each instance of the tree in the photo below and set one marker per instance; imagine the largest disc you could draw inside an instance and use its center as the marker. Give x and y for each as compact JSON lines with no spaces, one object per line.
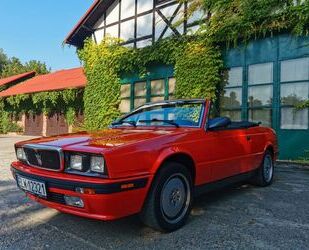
{"x":39,"y":67}
{"x":3,"y":60}
{"x":14,"y":67}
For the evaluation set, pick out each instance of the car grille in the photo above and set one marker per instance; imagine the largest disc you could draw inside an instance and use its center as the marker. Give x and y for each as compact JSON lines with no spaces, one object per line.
{"x":55,"y":197}
{"x":43,"y":158}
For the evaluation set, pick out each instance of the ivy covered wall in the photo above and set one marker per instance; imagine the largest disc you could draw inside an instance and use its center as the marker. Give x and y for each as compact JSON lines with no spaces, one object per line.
{"x":198,"y":69}
{"x":68,"y":102}
{"x":197,"y":59}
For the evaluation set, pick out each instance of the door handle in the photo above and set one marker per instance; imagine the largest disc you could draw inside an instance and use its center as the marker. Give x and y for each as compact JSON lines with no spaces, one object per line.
{"x":248,"y":138}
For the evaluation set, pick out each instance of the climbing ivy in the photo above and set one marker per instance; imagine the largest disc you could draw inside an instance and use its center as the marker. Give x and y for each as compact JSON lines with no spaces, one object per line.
{"x":198,"y":67}
{"x":68,"y":102}
{"x":198,"y":70}
{"x":197,"y":59}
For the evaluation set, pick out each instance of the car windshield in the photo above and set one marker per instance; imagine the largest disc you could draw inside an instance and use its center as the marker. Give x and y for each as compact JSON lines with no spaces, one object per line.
{"x":177,"y":114}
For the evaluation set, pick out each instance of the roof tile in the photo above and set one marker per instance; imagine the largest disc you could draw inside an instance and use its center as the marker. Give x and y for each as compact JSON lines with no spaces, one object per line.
{"x":16,"y":78}
{"x":59,"y":80}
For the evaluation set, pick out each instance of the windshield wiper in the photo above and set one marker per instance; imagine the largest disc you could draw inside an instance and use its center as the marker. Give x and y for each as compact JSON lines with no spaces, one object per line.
{"x":158,"y":120}
{"x":132,"y":123}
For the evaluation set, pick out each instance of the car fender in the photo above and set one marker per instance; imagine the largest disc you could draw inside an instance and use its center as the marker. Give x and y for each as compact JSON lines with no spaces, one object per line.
{"x":165,"y":154}
{"x":270,"y":144}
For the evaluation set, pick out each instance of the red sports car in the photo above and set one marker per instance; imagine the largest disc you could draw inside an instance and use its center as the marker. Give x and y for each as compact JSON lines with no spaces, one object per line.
{"x":153,"y":161}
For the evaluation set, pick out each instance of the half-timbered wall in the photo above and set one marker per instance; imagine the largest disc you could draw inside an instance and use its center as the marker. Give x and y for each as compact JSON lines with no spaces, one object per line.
{"x":139,"y":23}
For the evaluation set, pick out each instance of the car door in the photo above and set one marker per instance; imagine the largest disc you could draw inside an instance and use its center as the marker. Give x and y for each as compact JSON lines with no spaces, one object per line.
{"x":227,"y":152}
{"x":256,"y":138}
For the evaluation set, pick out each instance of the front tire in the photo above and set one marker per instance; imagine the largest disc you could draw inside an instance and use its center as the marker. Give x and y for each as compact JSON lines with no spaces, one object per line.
{"x":169,"y":201}
{"x":265,"y":172}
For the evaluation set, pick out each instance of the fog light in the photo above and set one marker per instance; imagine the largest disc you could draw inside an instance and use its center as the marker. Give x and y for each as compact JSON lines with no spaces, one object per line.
{"x":73,"y":201}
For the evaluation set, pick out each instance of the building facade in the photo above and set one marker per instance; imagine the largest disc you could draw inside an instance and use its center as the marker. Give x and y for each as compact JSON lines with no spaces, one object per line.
{"x":267,"y":77}
{"x":42,"y":124}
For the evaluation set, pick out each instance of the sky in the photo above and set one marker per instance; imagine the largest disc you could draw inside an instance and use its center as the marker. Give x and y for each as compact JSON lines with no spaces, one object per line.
{"x":35,"y":30}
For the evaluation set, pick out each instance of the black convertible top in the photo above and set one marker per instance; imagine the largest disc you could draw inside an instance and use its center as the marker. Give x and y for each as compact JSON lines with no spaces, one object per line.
{"x":243,"y":124}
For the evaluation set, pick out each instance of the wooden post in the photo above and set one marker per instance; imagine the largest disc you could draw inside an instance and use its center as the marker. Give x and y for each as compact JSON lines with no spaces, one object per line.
{"x":45,"y":125}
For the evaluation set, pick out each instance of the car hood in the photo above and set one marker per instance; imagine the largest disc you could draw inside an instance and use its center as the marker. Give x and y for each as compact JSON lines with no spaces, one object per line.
{"x":108,"y":138}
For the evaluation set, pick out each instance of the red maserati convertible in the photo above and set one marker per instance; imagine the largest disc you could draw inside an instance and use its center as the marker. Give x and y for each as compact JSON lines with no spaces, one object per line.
{"x":153,"y":161}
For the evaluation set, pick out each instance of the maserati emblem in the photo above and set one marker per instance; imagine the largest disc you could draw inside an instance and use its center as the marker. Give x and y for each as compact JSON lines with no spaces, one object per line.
{"x":38,"y":158}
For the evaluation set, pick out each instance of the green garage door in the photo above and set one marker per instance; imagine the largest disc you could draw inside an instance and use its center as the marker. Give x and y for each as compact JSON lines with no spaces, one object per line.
{"x":267,"y":78}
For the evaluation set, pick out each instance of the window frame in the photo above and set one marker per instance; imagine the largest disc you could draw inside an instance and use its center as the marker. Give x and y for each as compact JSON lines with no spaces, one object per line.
{"x":157,"y":6}
{"x":166,"y":95}
{"x":270,"y":106}
{"x":282,"y":106}
{"x":239,"y":86}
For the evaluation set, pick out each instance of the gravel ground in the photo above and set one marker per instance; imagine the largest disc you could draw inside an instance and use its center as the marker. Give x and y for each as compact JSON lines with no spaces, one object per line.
{"x":243,"y":217}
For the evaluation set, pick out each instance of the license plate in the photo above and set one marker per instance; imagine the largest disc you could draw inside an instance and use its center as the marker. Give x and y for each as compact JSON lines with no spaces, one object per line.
{"x":31,"y":186}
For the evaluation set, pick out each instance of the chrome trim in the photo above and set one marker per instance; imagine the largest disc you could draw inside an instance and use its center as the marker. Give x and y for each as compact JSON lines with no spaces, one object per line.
{"x":44,"y":147}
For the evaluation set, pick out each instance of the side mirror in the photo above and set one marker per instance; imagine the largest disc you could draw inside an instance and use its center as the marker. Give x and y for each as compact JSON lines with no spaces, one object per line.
{"x":219,"y":122}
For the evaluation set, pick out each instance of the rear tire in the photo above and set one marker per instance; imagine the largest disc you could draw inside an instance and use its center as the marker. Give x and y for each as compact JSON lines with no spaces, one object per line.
{"x":265,"y":172}
{"x":169,"y":201}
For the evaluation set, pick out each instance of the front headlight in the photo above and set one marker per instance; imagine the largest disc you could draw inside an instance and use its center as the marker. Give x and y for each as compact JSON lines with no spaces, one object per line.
{"x":20,"y":154}
{"x":85,"y":164}
{"x":76,"y":162}
{"x":97,"y":164}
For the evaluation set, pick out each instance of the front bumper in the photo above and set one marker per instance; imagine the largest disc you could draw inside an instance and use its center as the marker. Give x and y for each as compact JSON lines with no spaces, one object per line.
{"x":113,"y":199}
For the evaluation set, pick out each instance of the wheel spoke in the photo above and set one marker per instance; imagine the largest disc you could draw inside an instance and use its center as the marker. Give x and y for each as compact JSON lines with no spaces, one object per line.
{"x":268,"y":168}
{"x":175,"y":197}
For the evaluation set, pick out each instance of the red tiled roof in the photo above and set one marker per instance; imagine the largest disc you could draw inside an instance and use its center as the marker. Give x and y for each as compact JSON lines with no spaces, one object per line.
{"x":63,"y":79}
{"x":16,"y":78}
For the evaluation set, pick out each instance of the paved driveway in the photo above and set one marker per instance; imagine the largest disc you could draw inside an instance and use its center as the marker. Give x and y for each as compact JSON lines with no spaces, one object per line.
{"x":243,"y":217}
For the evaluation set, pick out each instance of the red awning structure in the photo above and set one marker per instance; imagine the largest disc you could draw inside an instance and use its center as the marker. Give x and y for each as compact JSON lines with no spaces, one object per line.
{"x":16,"y":79}
{"x":59,"y":80}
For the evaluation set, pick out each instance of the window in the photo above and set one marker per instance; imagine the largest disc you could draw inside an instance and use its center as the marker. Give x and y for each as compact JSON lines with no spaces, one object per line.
{"x":125,"y":93}
{"x":260,"y":93}
{"x":263,"y":115}
{"x":234,"y":115}
{"x":171,"y":85}
{"x":144,"y":5}
{"x":99,"y":35}
{"x":293,"y":90}
{"x":112,"y":13}
{"x":196,"y":16}
{"x":232,"y":100}
{"x":132,"y":21}
{"x":144,"y":43}
{"x":127,"y":9}
{"x":127,"y":30}
{"x":260,"y":73}
{"x":157,"y":90}
{"x":144,"y":25}
{"x":295,"y":70}
{"x":138,"y":93}
{"x":112,"y":31}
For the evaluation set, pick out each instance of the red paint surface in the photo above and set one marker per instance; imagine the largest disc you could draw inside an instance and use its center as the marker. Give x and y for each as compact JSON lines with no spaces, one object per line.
{"x":139,"y":152}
